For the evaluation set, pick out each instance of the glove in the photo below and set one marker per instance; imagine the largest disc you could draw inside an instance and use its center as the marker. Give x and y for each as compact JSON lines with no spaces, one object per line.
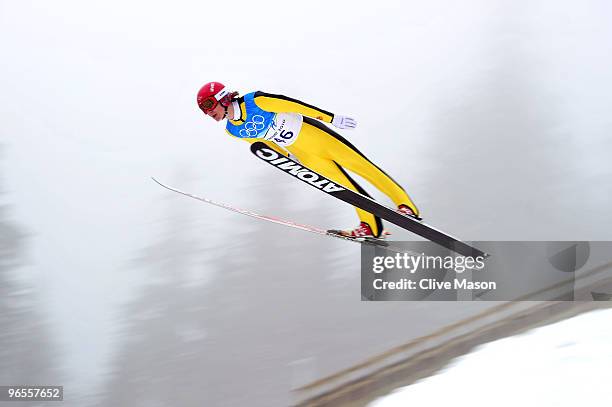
{"x":344,"y":122}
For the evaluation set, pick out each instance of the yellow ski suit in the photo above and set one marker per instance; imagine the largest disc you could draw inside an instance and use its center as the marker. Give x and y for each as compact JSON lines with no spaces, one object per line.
{"x":316,"y":146}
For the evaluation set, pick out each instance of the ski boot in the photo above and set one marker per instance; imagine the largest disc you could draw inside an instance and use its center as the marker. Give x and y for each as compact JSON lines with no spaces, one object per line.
{"x":406,"y":211}
{"x":363,"y":232}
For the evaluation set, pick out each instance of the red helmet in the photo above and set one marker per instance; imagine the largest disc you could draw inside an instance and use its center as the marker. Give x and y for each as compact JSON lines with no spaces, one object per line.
{"x":212,"y":94}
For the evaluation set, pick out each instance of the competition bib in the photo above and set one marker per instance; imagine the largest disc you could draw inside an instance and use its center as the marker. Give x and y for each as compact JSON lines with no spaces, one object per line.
{"x":284,"y":129}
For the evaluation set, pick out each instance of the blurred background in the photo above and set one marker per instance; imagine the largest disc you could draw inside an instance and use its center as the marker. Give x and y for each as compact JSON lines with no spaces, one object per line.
{"x":494,"y":115}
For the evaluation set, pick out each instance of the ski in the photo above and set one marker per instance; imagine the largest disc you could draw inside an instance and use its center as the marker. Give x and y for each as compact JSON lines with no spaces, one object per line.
{"x":318,"y":181}
{"x":279,"y":221}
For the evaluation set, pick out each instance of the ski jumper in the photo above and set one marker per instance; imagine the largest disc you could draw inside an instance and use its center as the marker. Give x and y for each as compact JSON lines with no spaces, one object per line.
{"x":290,"y":124}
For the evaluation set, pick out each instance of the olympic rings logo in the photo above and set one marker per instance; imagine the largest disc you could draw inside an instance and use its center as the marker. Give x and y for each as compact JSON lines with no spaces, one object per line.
{"x":252,"y":128}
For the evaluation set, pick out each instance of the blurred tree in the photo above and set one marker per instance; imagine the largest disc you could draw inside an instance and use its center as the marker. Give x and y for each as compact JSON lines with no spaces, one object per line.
{"x":27,"y":355}
{"x":217,"y":320}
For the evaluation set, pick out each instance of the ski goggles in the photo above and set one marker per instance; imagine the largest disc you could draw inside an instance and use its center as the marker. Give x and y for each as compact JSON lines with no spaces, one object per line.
{"x":208,"y":104}
{"x":211,"y":102}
